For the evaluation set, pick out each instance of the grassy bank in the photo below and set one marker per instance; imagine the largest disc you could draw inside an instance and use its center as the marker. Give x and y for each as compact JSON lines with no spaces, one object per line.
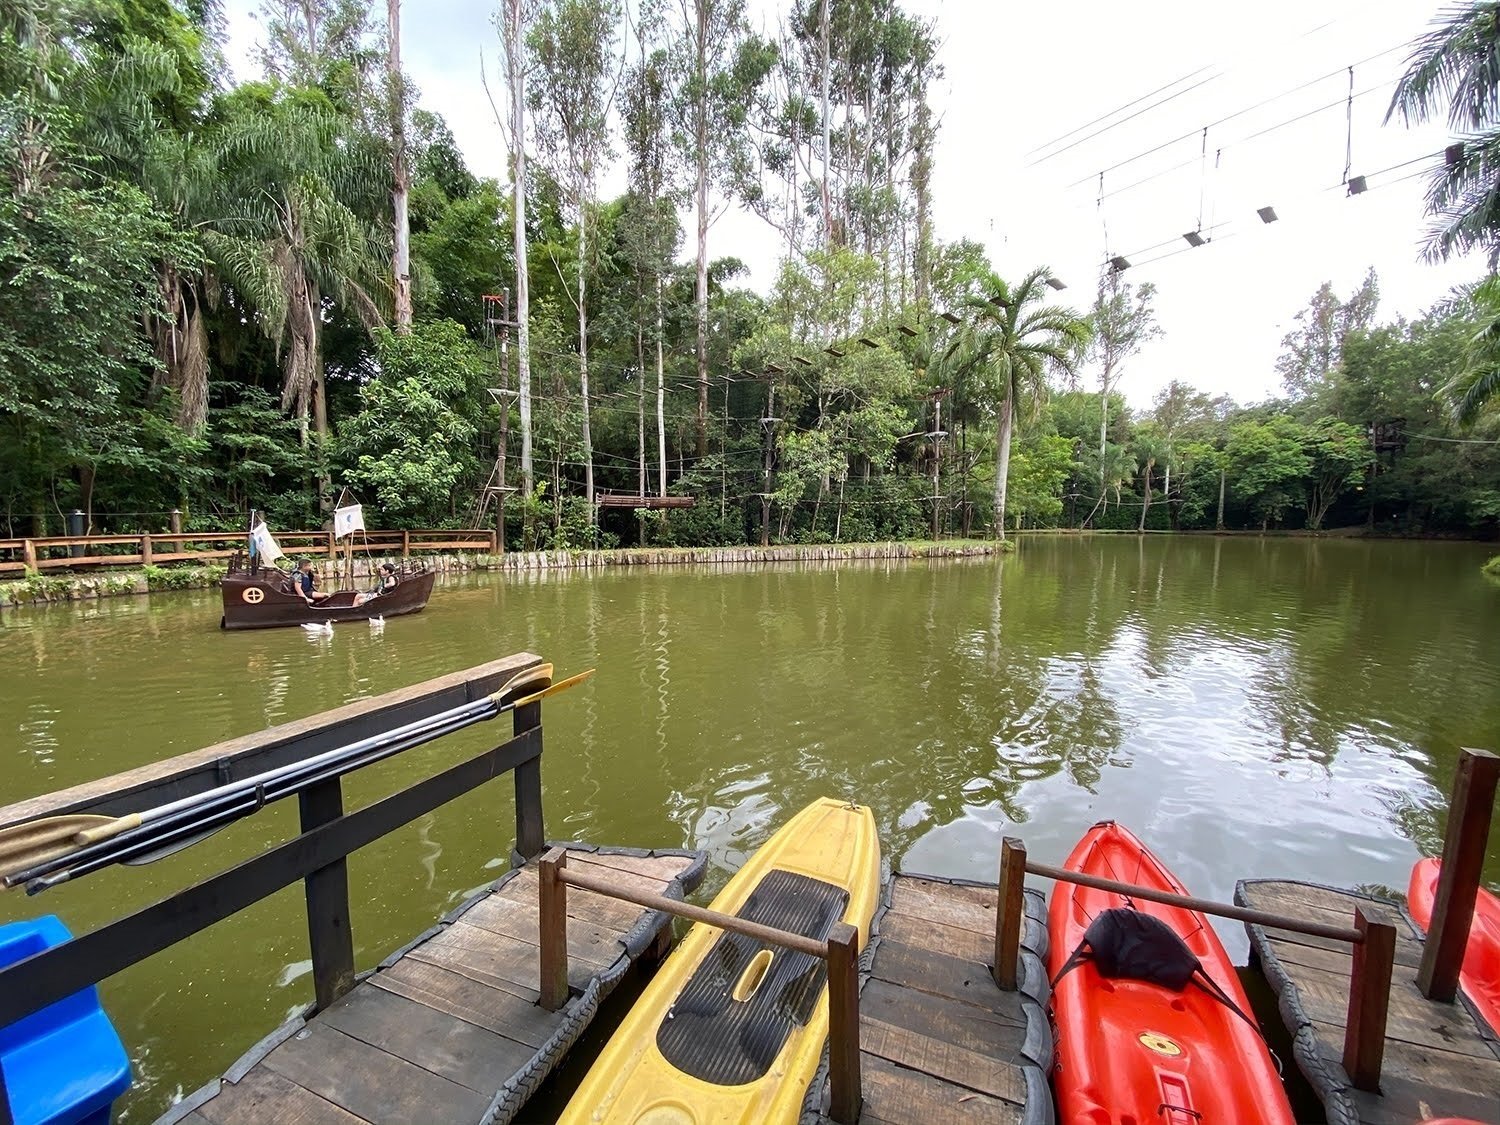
{"x":1492,"y":568}
{"x":39,"y":589}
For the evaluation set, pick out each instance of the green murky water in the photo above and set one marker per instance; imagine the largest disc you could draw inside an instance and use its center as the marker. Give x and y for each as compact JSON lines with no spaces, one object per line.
{"x":1250,"y":707}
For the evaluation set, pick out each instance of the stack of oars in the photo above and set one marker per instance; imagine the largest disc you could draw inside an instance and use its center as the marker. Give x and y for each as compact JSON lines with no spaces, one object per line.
{"x":44,"y":853}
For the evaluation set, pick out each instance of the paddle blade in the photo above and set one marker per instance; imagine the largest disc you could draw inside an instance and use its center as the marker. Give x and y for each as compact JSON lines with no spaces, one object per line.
{"x":104,"y":831}
{"x":561,"y":685}
{"x":26,"y":845}
{"x":529,"y":679}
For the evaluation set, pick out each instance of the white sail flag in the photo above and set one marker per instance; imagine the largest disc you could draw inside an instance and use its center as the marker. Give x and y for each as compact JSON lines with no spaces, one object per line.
{"x":348,"y":520}
{"x":264,"y":545}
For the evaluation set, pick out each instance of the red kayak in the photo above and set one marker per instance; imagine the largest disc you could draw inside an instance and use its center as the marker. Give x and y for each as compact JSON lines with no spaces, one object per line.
{"x":1130,"y":1049}
{"x":1480,"y":975}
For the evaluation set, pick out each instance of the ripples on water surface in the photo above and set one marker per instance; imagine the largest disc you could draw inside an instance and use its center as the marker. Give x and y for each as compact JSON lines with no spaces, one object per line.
{"x":1251,"y":708}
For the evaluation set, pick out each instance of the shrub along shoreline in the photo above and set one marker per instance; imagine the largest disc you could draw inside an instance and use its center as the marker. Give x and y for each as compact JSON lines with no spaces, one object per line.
{"x":39,"y":589}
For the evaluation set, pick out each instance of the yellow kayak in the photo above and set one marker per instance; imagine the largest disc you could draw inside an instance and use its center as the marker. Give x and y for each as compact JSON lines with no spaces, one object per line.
{"x":731,"y":1029}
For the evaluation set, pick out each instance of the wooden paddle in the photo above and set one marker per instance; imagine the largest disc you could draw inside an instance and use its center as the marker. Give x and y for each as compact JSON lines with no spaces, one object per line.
{"x":35,"y":848}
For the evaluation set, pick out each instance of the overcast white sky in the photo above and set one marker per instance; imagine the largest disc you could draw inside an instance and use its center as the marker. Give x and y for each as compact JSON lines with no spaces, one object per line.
{"x":1020,"y":76}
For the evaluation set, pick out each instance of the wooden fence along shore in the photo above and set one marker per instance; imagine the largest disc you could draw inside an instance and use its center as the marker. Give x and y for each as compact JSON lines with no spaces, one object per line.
{"x":72,"y":552}
{"x":940,"y":1018}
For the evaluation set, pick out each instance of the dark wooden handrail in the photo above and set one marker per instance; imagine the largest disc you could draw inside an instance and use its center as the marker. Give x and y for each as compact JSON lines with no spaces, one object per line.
{"x":1204,"y":906}
{"x":315,"y":856}
{"x":840,"y":951}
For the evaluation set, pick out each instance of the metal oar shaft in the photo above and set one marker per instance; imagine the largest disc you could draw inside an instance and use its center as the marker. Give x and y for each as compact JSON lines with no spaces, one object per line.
{"x":224,"y":807}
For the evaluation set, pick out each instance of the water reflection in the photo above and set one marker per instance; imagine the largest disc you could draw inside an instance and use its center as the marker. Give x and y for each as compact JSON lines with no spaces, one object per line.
{"x":1250,"y":707}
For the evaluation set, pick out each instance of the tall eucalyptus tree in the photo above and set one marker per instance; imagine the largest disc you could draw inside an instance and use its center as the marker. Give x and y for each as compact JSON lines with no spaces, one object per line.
{"x":573,"y":42}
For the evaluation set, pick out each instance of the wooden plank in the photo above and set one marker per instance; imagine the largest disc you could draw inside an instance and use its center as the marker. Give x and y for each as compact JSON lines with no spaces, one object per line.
{"x":1408,"y":953}
{"x":662,"y":868}
{"x":437,"y":1042}
{"x":504,"y":963}
{"x":468,"y":999}
{"x":937,"y":974}
{"x":531,"y":835}
{"x":1444,"y":1027}
{"x":198,"y":770}
{"x":1403,"y":1100}
{"x":264,"y":1097}
{"x":895,"y":1093}
{"x":844,"y":1080}
{"x":1464,"y":846}
{"x":598,"y":945}
{"x":371,"y":1083}
{"x":601,"y":910}
{"x":973,"y":1029}
{"x":968,"y":945}
{"x":1435,"y":1068}
{"x":962,"y":1067}
{"x":938,"y":902}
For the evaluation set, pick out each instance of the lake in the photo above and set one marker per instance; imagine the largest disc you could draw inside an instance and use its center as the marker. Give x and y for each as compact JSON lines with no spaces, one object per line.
{"x":1250,"y":707}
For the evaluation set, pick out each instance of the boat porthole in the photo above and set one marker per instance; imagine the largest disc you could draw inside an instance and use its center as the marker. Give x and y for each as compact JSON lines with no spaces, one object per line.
{"x":1159,"y":1043}
{"x":254,"y":595}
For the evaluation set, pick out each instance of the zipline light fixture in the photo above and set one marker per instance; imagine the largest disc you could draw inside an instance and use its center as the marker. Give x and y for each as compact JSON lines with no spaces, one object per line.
{"x":867,"y":342}
{"x":1057,"y":283}
{"x":951,"y":318}
{"x":803,"y":360}
{"x":1357,"y":185}
{"x":835,"y":352}
{"x":905,"y":331}
{"x":998,"y":301}
{"x":775,"y":368}
{"x":1194,"y":238}
{"x":1267,"y":214}
{"x":1119,"y":263}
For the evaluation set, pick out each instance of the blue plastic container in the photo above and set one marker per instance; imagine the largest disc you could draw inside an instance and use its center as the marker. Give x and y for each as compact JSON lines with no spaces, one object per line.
{"x":63,"y":1065}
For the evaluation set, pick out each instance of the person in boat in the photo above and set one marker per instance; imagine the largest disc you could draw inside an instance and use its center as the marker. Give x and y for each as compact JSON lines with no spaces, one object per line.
{"x":388,"y":582}
{"x":307,"y":583}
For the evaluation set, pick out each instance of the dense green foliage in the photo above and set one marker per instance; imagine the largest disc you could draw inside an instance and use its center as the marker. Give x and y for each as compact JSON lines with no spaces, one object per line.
{"x":195,"y":279}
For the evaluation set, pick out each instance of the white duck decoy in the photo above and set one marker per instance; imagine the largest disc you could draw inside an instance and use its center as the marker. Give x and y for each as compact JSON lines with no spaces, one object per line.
{"x":377,"y":624}
{"x":326,"y":629}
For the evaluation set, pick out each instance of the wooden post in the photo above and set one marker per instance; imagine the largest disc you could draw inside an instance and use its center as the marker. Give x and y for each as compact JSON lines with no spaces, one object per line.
{"x":1369,"y":996}
{"x":327,"y":891}
{"x":174,"y":523}
{"x":333,"y":547}
{"x":553,"y":907}
{"x":405,"y":543}
{"x":531,"y":835}
{"x":28,"y":555}
{"x":1458,"y":881}
{"x":145,"y":550}
{"x":1009,"y":912}
{"x":844,"y":1095}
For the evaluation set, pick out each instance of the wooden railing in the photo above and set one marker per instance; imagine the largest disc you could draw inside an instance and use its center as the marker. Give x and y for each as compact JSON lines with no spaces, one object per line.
{"x":840,"y":951}
{"x":316,"y":855}
{"x":1372,"y":933}
{"x":57,"y":552}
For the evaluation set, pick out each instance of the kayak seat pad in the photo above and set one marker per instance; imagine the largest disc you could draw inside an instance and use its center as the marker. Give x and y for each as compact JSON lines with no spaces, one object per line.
{"x":715,"y":1038}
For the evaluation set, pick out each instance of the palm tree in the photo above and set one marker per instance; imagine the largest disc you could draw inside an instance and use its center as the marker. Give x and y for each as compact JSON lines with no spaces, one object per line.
{"x":1479,"y":380}
{"x":299,"y":185}
{"x":1455,"y":67}
{"x":1004,"y":348}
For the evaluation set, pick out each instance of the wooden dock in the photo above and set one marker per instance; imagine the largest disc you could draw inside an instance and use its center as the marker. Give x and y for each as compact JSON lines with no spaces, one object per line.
{"x":449,"y":1029}
{"x":1439,"y":1060}
{"x":939,"y":1042}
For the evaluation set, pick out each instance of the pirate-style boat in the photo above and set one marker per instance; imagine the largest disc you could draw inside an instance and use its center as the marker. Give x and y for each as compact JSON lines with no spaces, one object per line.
{"x":257,"y":594}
